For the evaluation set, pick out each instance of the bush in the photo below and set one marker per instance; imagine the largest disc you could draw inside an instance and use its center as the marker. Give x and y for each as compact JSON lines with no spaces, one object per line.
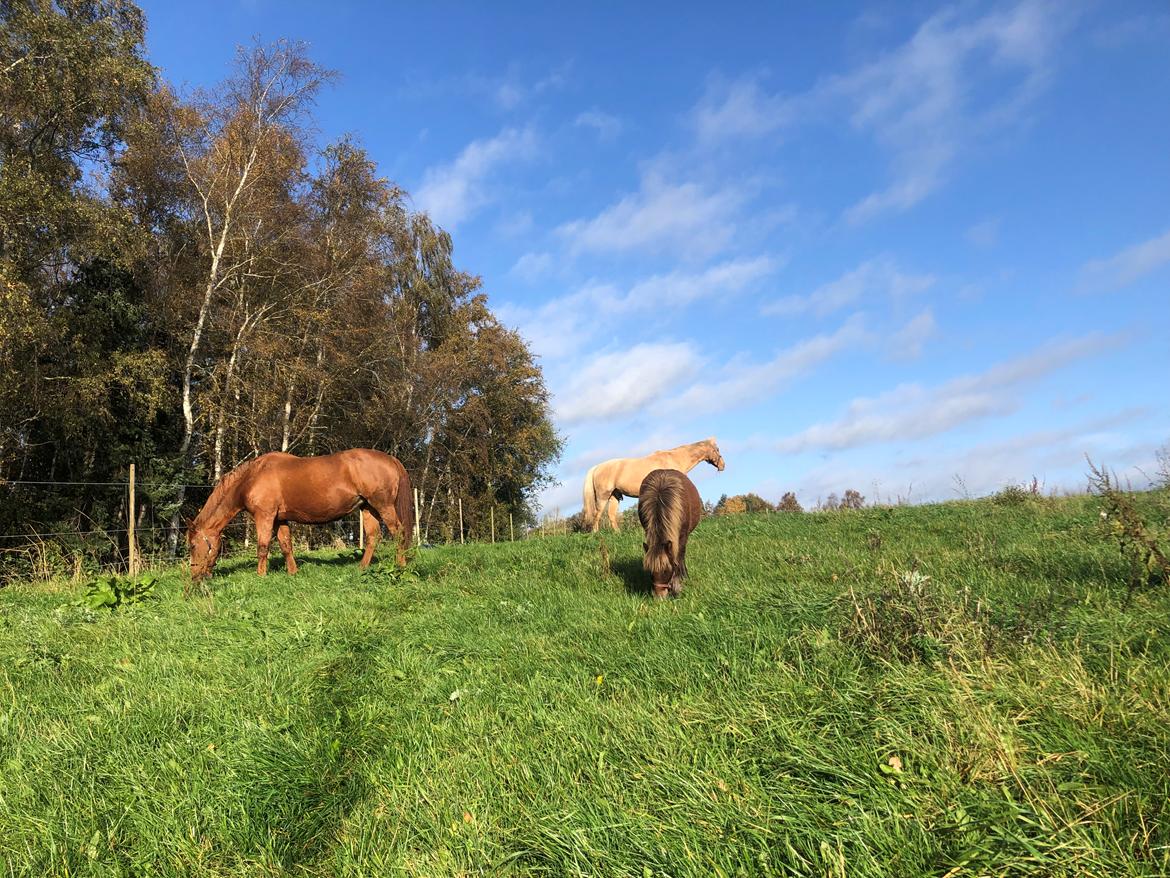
{"x":789,"y":503}
{"x":1010,"y":495}
{"x":1139,"y":541}
{"x":741,"y":504}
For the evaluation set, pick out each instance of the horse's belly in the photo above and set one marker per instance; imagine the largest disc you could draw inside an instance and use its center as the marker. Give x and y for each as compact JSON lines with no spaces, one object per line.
{"x":319,"y":509}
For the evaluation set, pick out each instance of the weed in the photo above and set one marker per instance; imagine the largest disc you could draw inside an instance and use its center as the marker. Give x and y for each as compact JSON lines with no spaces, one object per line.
{"x":112,"y":592}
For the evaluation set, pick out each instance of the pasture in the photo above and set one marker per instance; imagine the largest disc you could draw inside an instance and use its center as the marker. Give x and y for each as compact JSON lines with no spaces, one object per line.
{"x":959,"y":689}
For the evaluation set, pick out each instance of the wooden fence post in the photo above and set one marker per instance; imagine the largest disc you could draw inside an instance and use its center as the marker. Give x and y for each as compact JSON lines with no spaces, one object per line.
{"x":361,"y":532}
{"x":511,"y":532}
{"x":417,"y":525}
{"x":130,"y":528}
{"x":461,"y":521}
{"x":493,"y":516}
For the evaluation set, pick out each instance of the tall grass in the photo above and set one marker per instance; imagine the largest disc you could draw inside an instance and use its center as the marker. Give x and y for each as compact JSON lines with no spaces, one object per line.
{"x":961,"y":689}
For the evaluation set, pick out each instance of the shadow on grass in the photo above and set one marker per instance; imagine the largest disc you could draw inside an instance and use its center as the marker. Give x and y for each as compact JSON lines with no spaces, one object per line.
{"x":633,"y":577}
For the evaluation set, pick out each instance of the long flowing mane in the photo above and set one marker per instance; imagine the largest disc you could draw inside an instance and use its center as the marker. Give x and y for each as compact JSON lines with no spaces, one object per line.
{"x":661,"y":508}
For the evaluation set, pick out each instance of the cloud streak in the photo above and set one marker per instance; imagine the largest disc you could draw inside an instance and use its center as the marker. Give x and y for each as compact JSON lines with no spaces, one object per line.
{"x":875,"y":277}
{"x":757,"y":381}
{"x":920,"y":102}
{"x":567,"y":324}
{"x":1128,"y":266}
{"x":913,"y":411}
{"x":618,"y":384}
{"x":681,"y":219}
{"x":453,"y":193}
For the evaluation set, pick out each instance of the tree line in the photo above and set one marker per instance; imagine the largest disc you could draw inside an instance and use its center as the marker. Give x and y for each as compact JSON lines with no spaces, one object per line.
{"x":188,"y":280}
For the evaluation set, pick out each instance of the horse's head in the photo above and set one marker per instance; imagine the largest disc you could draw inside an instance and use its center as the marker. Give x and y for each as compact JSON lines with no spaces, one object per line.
{"x":204,"y":546}
{"x":713,"y":456}
{"x":664,"y":573}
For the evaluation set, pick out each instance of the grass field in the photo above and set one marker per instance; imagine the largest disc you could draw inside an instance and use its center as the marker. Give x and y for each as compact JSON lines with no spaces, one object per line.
{"x":961,"y":689}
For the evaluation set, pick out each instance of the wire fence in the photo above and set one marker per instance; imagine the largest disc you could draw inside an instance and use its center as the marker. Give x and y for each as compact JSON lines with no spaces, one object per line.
{"x":31,"y":552}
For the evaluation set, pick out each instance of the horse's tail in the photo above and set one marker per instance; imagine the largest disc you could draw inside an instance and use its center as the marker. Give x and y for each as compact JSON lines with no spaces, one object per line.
{"x":660,"y":509}
{"x":590,"y":492}
{"x":404,"y":509}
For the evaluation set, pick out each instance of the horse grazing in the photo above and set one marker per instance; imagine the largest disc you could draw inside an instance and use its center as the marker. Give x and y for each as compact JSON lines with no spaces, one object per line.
{"x":277,"y":488}
{"x":669,"y":508}
{"x":622,"y":477}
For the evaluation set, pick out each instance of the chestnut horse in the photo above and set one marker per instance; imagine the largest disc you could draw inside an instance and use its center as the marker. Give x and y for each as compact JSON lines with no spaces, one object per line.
{"x":669,"y":508}
{"x":278,"y":488}
{"x":608,"y":482}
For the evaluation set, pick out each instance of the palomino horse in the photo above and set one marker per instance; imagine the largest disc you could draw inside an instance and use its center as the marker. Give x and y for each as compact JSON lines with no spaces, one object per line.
{"x":278,"y":488}
{"x":669,"y":509}
{"x":622,"y":476}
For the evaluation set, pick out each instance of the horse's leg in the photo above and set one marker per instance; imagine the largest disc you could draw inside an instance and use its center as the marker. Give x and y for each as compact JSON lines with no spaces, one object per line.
{"x":611,"y":506}
{"x":373,"y":529}
{"x":600,"y":499}
{"x":264,"y":523}
{"x":284,"y":537}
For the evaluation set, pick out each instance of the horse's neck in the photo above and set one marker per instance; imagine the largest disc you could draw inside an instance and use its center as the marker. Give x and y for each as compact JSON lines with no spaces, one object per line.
{"x":222,"y":508}
{"x":691,"y":456}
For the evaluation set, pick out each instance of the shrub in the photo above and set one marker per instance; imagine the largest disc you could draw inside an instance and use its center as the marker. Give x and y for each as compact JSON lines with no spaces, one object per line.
{"x":1138,"y":541}
{"x":852,"y":500}
{"x":789,"y":503}
{"x":742,"y":503}
{"x":1010,"y":495}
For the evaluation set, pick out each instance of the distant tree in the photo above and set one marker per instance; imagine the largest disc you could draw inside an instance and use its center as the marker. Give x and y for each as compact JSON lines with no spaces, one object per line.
{"x":789,"y":503}
{"x":831,"y":502}
{"x":852,"y":500}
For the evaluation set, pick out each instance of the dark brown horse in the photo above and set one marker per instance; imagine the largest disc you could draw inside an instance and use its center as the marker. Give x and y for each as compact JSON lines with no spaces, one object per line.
{"x":669,"y":508}
{"x":278,"y":488}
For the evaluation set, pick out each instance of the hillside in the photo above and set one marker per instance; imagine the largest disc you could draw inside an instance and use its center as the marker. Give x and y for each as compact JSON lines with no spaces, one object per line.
{"x":959,"y":689}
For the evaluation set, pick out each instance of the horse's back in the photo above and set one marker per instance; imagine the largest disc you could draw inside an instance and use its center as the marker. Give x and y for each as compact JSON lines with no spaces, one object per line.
{"x":668,"y":487}
{"x":320,"y":486}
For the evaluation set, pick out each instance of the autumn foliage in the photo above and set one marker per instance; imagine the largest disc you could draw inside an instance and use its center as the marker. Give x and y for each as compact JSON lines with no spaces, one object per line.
{"x":188,"y":280}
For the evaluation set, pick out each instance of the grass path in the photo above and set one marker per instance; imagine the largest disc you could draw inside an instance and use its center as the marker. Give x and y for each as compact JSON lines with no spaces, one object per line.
{"x":961,"y":689}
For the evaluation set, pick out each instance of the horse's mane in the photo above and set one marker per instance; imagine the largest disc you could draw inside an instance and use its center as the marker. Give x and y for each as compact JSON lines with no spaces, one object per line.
{"x":702,"y":444}
{"x":660,"y":507}
{"x":222,"y":490}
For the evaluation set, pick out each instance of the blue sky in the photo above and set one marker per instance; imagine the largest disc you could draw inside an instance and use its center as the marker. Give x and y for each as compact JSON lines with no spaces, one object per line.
{"x":914,"y":249}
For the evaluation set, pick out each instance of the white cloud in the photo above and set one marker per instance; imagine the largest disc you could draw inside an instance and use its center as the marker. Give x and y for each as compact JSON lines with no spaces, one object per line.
{"x":532,"y":266}
{"x":1056,"y":457}
{"x":742,"y":382}
{"x":913,"y":411}
{"x":739,"y":109}
{"x":921,"y":101}
{"x":568,"y":323}
{"x":872,"y":278}
{"x":684,"y":219}
{"x":626,"y":382}
{"x":454,"y":192}
{"x":907,"y":342}
{"x":1129,"y":265}
{"x":607,"y":126}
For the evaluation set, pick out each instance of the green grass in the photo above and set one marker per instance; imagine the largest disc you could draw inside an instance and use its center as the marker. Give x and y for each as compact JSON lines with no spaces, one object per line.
{"x":810,"y":706}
